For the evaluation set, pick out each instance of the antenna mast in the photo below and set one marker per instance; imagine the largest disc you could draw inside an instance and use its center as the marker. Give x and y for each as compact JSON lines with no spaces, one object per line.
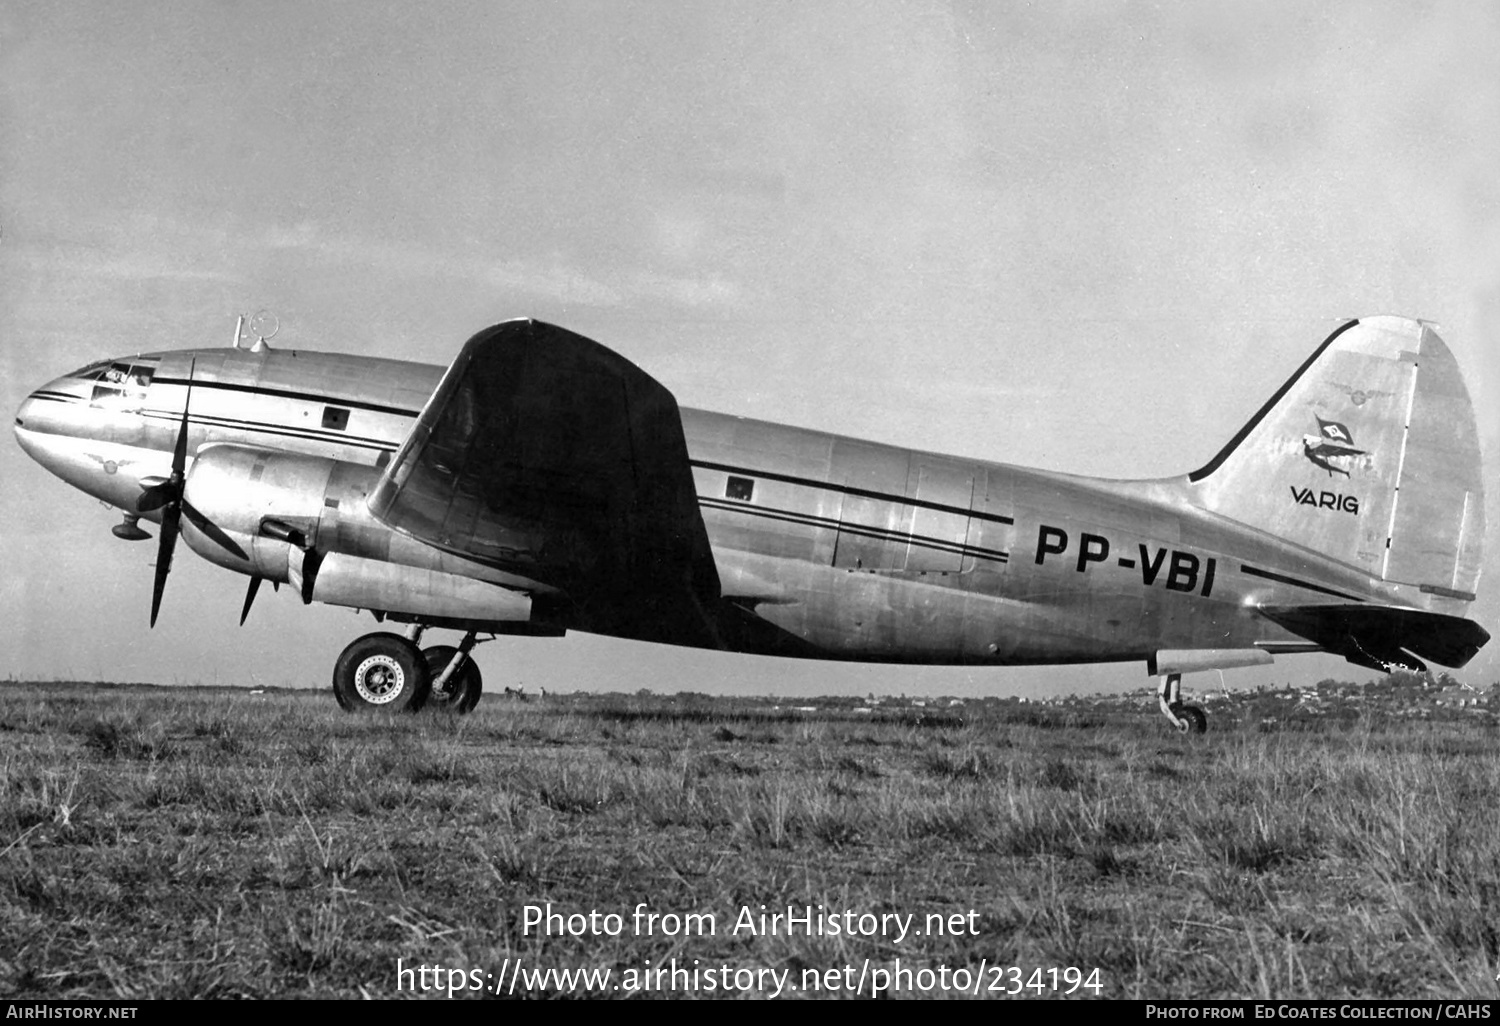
{"x":264,"y":326}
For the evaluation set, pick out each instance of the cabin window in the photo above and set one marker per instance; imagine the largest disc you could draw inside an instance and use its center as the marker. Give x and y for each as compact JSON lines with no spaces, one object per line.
{"x":335,"y":418}
{"x":740,"y":488}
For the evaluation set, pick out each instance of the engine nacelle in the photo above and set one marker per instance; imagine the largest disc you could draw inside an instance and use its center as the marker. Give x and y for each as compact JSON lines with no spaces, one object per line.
{"x":302,"y":520}
{"x":233,"y":490}
{"x":344,"y":580}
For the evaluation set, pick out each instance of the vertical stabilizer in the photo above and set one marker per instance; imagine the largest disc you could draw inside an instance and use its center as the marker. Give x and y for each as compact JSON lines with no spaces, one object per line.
{"x":1368,"y":454}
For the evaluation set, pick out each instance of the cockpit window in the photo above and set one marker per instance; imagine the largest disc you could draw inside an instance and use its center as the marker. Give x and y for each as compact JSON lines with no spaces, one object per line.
{"x":119,"y":382}
{"x":93,"y":371}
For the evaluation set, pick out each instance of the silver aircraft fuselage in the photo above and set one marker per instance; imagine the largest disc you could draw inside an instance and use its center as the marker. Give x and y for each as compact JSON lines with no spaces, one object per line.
{"x":862,"y":551}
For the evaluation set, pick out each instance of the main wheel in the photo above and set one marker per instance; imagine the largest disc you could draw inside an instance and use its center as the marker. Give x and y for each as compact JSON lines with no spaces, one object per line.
{"x":1196,"y":718}
{"x":463,"y":689}
{"x":381,"y":671}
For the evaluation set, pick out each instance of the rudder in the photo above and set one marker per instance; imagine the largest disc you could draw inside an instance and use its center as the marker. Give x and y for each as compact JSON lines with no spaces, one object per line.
{"x":1368,"y":454}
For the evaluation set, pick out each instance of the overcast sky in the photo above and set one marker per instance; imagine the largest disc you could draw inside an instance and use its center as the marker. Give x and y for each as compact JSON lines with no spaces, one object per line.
{"x":1086,"y":236}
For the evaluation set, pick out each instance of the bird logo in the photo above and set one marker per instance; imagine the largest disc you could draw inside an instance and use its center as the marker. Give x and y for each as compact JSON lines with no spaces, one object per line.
{"x":1334,"y":441}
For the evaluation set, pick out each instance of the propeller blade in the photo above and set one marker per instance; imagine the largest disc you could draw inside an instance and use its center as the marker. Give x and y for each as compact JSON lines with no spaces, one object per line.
{"x":255,"y":580}
{"x":154,"y":497}
{"x":312,"y":559}
{"x":212,"y":531}
{"x":171,"y":507}
{"x":179,"y":452}
{"x":166,"y":541}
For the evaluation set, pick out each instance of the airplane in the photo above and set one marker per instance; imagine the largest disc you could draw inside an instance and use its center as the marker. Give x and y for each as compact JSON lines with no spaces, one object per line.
{"x":543,"y":483}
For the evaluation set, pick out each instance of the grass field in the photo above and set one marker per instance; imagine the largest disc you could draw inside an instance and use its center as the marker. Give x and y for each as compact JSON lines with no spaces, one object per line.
{"x":161,"y":843}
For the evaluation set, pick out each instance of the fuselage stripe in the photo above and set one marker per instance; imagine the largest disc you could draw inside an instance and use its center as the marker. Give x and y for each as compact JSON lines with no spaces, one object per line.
{"x":284,"y":393}
{"x":862,"y":493}
{"x":262,"y":427}
{"x":1284,"y":579}
{"x":863,"y":530}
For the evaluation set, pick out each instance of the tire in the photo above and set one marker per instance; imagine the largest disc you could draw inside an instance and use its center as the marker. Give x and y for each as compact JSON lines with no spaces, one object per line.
{"x":463,"y":689}
{"x":381,"y":671}
{"x":1197,"y":719}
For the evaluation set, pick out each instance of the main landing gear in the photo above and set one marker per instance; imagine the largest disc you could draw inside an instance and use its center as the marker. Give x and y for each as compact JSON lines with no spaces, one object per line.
{"x":388,"y":671}
{"x":1188,"y":719}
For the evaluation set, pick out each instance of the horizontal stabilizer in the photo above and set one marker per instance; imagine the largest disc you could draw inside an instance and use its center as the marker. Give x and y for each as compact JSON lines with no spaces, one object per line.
{"x":1384,"y":637}
{"x":1193,"y":660}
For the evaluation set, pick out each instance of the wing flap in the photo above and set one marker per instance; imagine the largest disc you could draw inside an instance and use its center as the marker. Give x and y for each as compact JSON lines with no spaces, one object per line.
{"x":546,"y":454}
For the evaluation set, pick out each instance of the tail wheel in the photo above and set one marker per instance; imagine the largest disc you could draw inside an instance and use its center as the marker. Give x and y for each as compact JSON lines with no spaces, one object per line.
{"x":1194,"y":719}
{"x":1188,"y":719}
{"x":381,"y":671}
{"x":463,"y":689}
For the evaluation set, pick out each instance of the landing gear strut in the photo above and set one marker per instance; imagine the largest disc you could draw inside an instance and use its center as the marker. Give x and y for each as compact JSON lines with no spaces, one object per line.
{"x":456,"y":682}
{"x":1188,"y":719}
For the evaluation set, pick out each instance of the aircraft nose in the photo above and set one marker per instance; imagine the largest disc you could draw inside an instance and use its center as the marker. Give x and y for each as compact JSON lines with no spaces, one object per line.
{"x":40,"y":410}
{"x":24,"y":427}
{"x":42,"y":413}
{"x":26,"y":414}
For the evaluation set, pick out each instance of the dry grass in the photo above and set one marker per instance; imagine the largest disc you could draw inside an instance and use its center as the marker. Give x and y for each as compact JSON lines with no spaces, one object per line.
{"x":172,"y":844}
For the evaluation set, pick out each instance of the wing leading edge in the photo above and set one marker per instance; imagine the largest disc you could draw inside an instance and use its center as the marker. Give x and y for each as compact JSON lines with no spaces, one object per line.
{"x":545,"y":454}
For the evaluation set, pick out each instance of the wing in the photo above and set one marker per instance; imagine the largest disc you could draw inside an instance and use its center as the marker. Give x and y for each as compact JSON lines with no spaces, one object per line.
{"x":545,"y":454}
